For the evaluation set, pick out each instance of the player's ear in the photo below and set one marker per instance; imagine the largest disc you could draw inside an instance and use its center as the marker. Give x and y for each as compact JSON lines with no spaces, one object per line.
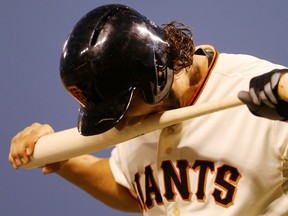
{"x":161,"y":77}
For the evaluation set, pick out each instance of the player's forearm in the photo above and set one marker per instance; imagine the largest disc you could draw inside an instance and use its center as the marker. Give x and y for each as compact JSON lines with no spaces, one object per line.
{"x":94,"y":176}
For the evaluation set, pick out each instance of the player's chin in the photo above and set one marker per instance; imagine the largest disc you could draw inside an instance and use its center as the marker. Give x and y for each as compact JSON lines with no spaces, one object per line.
{"x":122,"y":123}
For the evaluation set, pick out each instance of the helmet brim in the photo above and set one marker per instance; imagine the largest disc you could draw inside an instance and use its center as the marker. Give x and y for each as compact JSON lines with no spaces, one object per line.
{"x":104,"y":116}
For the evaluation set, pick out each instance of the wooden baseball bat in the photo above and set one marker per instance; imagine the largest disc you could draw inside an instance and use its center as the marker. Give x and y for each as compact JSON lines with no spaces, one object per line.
{"x":69,"y":143}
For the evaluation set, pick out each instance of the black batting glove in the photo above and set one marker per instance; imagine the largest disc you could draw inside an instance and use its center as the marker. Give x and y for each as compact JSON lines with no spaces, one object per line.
{"x":262,"y":98}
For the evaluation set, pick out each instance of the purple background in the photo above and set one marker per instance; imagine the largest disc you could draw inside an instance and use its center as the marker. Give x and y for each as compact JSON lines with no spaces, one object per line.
{"x":32,"y":34}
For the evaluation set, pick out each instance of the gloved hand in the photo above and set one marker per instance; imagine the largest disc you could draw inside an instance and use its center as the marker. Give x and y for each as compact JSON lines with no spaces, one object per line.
{"x":262,"y":98}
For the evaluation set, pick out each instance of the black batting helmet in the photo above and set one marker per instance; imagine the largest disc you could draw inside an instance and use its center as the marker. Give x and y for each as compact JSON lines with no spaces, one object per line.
{"x":110,"y":52}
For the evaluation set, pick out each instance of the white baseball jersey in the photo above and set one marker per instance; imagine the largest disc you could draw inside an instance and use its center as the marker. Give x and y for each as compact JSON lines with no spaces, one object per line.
{"x":225,"y":163}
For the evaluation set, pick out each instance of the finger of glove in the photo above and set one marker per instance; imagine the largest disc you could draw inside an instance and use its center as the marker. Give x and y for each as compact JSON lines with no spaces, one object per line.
{"x":258,"y":110}
{"x":263,"y":89}
{"x":275,"y":79}
{"x":265,"y":95}
{"x":255,"y":96}
{"x":271,"y":88}
{"x":265,"y":98}
{"x":247,"y":99}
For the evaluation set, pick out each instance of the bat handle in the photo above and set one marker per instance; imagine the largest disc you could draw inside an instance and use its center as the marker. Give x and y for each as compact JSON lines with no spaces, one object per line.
{"x":283,"y":87}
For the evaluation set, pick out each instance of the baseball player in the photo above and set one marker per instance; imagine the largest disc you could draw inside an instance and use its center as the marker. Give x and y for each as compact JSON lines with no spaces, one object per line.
{"x":122,"y":67}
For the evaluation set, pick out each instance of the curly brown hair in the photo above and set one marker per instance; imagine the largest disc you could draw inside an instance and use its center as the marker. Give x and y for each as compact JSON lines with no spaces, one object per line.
{"x":181,"y":49}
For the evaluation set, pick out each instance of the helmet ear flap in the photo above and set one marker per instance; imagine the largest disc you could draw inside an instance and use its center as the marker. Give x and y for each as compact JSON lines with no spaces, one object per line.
{"x":164,"y":85}
{"x":159,"y":87}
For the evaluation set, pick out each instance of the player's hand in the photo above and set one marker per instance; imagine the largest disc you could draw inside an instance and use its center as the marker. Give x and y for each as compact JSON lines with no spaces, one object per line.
{"x":263,"y":99}
{"x":23,"y":143}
